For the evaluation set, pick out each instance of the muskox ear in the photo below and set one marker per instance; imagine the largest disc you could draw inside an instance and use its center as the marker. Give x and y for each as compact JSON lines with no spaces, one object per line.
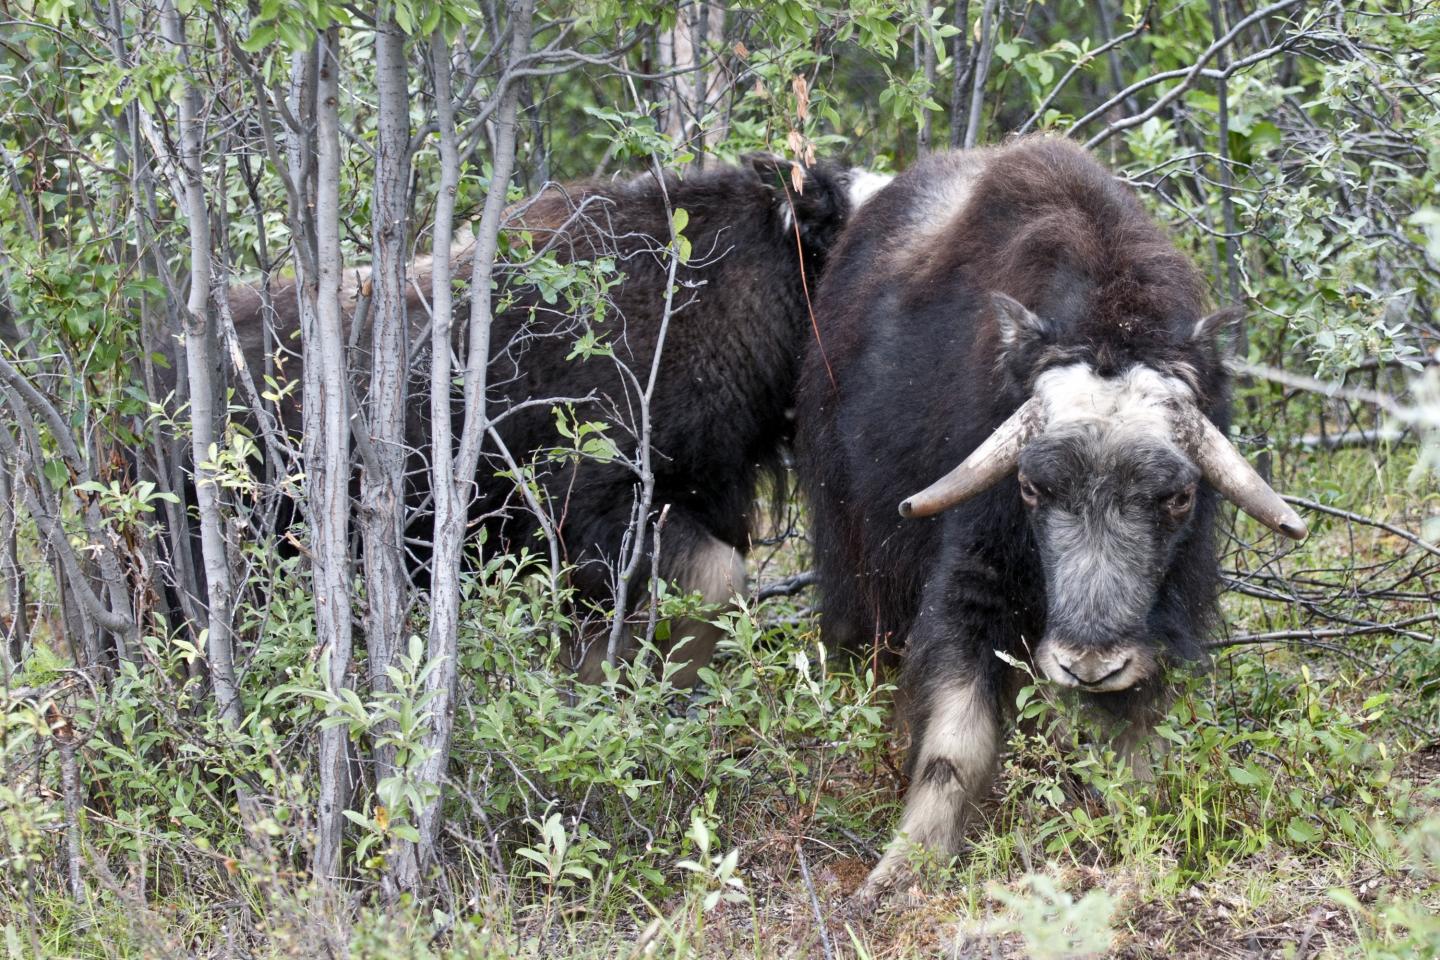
{"x":819,"y":206}
{"x":1020,"y":328}
{"x":1208,"y":328}
{"x":774,"y":170}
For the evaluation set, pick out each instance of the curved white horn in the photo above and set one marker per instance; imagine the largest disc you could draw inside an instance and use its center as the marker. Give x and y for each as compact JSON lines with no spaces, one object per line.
{"x":985,"y":466}
{"x":1230,"y":474}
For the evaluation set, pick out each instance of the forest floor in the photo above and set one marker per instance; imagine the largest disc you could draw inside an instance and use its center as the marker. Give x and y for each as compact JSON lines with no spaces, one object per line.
{"x":1276,"y":903}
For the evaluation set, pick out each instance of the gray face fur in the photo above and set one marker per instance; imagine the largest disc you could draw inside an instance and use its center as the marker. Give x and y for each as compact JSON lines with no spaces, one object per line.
{"x":1109,"y":495}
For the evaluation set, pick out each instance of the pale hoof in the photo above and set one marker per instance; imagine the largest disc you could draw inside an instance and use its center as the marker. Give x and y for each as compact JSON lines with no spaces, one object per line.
{"x":891,"y":883}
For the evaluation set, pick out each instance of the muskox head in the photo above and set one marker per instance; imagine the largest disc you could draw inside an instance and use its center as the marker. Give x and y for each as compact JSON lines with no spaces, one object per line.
{"x":1109,"y":469}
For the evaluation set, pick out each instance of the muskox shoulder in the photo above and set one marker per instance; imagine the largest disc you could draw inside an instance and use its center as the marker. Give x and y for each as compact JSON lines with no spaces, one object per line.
{"x":926,"y":200}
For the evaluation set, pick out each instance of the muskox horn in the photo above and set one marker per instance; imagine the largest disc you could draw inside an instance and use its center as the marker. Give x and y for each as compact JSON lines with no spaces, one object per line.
{"x":984,"y":468}
{"x":1230,"y":474}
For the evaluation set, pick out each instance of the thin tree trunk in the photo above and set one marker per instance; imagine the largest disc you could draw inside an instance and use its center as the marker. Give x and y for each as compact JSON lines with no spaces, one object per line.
{"x":1227,"y":203}
{"x":449,"y":522}
{"x":43,"y":505}
{"x":327,"y":443}
{"x":692,"y":89}
{"x":29,"y":402}
{"x":927,"y":59}
{"x":961,"y":64}
{"x":981,"y":72}
{"x":640,"y":517}
{"x":164,"y":444}
{"x":452,"y":479}
{"x":199,"y":367}
{"x":708,"y":16}
{"x":71,"y":790}
{"x":1112,"y":56}
{"x":381,"y":506}
{"x":15,"y":627}
{"x":677,"y":57}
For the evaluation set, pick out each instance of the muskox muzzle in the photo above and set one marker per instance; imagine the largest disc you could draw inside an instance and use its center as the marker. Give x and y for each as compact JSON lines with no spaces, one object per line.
{"x":1095,"y":670}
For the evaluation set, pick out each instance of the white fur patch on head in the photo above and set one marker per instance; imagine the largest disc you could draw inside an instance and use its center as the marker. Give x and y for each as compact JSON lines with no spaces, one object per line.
{"x":864,"y":184}
{"x":1139,"y":399}
{"x":1101,"y":568}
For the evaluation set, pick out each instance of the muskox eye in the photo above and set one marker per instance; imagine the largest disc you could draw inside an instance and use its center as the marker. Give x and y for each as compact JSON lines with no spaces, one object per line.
{"x":1179,"y":503}
{"x":1029,"y":492}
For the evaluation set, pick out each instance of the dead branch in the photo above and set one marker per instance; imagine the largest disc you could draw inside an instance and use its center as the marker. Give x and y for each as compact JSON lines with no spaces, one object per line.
{"x":787,"y":587}
{"x":1188,"y":77}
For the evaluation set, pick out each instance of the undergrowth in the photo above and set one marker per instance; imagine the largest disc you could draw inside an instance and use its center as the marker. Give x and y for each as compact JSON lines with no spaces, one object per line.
{"x":1288,"y":789}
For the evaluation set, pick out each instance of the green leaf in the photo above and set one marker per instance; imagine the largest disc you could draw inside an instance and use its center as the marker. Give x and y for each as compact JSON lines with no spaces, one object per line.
{"x":1302,"y":831}
{"x":1169,"y":733}
{"x":55,"y":472}
{"x":530,"y":854}
{"x":1246,"y":778}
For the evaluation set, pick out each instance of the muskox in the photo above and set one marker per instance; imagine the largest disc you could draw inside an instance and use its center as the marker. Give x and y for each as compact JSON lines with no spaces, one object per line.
{"x":1007,"y":308}
{"x":724,"y":384}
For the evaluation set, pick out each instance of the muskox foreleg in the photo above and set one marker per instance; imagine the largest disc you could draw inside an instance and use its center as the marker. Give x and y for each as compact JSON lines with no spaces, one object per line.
{"x":702,"y":563}
{"x":692,"y":560}
{"x":955,"y":742}
{"x":1135,"y":715}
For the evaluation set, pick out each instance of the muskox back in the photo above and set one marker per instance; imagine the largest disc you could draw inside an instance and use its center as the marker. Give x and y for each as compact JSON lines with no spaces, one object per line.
{"x":727,"y":369}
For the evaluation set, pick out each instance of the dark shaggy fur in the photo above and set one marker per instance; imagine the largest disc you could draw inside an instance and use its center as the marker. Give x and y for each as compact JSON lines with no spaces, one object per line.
{"x":909,"y":376}
{"x":726,"y":375}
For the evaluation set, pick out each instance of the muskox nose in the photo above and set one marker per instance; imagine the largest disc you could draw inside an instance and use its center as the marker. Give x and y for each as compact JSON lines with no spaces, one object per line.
{"x":1092,"y":667}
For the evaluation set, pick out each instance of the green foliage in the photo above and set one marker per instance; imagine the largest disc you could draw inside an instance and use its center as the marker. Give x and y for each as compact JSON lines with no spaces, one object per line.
{"x":615,"y":760}
{"x":630,"y":792}
{"x":1403,"y":927}
{"x":1290,"y":765}
{"x":125,"y":507}
{"x":636,"y":136}
{"x":395,"y":720}
{"x":1053,"y":923}
{"x":27,"y":820}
